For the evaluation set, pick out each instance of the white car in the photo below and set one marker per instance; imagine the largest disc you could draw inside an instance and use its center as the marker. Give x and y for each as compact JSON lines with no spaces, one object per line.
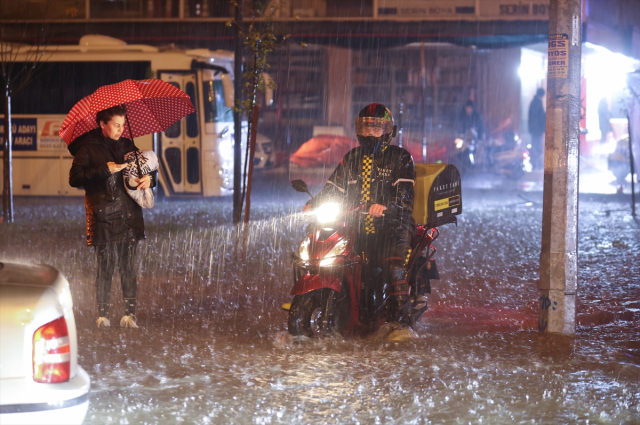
{"x":40,"y":380}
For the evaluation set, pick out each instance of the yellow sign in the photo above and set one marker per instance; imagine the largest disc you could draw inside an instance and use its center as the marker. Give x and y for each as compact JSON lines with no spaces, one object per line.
{"x":442,"y":204}
{"x":558,"y":56}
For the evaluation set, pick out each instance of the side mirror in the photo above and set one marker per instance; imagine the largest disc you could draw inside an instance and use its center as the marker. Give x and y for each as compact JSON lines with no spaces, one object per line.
{"x":300,"y":186}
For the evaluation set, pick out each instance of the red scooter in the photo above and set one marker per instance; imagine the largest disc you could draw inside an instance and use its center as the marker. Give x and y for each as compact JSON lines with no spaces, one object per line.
{"x":335,"y":290}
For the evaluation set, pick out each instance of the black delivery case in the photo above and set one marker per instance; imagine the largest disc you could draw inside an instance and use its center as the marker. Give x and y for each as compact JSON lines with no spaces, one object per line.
{"x":438,"y":198}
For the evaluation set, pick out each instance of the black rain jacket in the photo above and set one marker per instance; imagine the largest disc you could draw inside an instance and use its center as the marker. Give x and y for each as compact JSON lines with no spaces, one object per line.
{"x":112,"y":215}
{"x":537,"y":117}
{"x":392,"y":185}
{"x":471,"y":121}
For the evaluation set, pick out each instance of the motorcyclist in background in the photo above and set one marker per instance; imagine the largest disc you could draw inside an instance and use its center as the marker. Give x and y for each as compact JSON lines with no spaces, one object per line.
{"x":382,"y":176}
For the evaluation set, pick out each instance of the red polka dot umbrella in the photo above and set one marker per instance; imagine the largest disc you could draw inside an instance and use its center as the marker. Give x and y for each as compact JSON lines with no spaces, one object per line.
{"x":152,"y":106}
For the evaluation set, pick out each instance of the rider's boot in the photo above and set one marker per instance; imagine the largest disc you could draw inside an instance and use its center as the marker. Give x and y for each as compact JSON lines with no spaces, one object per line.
{"x":399,"y":292}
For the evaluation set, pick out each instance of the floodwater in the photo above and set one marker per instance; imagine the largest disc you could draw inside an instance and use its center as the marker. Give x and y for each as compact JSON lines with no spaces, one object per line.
{"x":213,"y":346}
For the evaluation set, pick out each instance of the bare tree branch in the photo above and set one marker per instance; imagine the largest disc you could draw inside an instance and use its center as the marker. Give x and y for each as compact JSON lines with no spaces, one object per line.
{"x":20,"y":63}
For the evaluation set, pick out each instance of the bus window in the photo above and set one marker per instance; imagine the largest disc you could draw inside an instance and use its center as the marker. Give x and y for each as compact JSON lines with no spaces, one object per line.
{"x":173,"y":131}
{"x":210,"y":110}
{"x":193,"y":166}
{"x":174,"y":161}
{"x":192,"y":119}
{"x":224,"y":113}
{"x":214,"y":107}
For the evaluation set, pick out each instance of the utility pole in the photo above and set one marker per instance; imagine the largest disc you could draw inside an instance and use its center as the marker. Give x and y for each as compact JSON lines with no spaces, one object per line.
{"x":237,"y":118}
{"x":559,"y":253}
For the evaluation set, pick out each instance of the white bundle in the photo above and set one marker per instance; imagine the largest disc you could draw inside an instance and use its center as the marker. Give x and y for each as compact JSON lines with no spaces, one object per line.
{"x":148,"y":162}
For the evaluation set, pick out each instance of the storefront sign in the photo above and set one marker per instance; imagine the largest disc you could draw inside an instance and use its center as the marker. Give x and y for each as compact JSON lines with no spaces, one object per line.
{"x":515,"y":9}
{"x":24,"y":133}
{"x":558,"y":56}
{"x":426,"y":8}
{"x":497,"y":9}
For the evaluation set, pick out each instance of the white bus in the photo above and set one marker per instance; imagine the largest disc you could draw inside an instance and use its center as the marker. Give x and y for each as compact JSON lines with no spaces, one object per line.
{"x":196,"y":153}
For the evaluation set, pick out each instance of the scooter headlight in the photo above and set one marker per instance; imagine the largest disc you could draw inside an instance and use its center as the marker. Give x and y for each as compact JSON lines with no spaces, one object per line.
{"x":303,"y":251}
{"x":328,"y":212}
{"x":459,"y":143}
{"x":338,"y":249}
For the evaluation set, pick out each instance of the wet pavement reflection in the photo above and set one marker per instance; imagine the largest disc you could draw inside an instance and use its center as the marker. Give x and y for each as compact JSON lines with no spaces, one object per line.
{"x":213,"y":346}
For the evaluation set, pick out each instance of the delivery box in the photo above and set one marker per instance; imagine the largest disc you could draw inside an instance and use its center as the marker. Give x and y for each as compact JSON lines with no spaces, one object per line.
{"x":438,"y":198}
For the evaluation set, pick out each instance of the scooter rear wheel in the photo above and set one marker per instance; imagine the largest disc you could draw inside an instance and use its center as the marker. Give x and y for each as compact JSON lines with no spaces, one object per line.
{"x":307,"y":315}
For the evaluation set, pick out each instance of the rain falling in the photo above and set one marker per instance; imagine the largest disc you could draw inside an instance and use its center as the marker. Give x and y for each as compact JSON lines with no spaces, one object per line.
{"x":462,"y":80}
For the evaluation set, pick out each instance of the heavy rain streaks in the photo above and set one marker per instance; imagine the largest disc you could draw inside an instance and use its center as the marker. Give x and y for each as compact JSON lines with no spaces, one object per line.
{"x":460,"y":78}
{"x":213,"y":347}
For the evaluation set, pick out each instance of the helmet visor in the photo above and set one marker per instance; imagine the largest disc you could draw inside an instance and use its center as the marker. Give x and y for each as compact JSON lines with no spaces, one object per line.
{"x":376,"y":127}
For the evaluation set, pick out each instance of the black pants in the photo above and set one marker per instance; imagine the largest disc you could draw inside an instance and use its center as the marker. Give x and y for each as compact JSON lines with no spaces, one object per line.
{"x":386,"y":246}
{"x":536,"y":152}
{"x":125,"y":254}
{"x":388,"y":251}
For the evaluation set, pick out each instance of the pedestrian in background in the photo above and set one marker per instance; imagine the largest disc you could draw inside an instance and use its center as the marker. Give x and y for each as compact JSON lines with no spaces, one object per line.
{"x":114,"y":220}
{"x":604,"y":119}
{"x":469,"y":118}
{"x":537,"y":126}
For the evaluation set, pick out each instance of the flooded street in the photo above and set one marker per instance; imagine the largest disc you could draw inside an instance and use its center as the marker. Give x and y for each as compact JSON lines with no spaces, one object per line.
{"x":207,"y":107}
{"x":213,"y":346}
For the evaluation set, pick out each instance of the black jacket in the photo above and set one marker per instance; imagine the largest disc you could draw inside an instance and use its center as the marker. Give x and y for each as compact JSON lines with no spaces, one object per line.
{"x":465,"y":122}
{"x":112,"y":215}
{"x":392,"y":179}
{"x":537,"y":117}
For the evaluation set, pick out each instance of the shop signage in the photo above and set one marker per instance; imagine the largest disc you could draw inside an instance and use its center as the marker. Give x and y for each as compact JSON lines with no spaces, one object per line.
{"x":509,"y":9}
{"x":426,"y":8}
{"x":497,"y":9}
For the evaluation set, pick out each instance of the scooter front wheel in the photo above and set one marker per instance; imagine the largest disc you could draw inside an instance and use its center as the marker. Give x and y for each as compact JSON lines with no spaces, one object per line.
{"x":308,"y":314}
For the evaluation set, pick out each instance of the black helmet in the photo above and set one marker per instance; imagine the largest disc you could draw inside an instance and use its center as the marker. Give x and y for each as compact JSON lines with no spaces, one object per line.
{"x":374,"y":128}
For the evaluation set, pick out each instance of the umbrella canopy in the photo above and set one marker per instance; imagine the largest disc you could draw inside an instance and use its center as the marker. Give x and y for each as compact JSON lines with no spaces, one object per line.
{"x":152,"y":106}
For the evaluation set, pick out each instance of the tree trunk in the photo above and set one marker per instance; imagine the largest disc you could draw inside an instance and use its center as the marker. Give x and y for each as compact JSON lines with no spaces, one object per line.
{"x":7,"y":195}
{"x":252,"y":154}
{"x":250,"y":157}
{"x":237,"y":119}
{"x":244,"y":172}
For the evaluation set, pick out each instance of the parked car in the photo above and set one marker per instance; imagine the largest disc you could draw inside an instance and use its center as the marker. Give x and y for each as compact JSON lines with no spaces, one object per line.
{"x":40,"y":379}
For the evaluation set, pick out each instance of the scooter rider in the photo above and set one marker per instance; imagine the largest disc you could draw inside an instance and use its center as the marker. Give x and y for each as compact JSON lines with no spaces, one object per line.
{"x":383,"y":177}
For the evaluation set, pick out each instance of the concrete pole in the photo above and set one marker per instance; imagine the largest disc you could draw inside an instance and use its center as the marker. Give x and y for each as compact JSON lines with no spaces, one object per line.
{"x":558,"y":257}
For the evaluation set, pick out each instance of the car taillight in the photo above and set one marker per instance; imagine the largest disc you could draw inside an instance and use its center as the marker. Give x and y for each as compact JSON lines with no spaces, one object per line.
{"x":51,"y":354}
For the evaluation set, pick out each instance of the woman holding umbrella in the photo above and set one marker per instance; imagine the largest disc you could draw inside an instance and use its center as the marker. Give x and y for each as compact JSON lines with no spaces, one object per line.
{"x":114,"y":220}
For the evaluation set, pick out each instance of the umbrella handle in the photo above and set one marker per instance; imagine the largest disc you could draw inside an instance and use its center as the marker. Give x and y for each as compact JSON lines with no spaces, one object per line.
{"x":126,"y":117}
